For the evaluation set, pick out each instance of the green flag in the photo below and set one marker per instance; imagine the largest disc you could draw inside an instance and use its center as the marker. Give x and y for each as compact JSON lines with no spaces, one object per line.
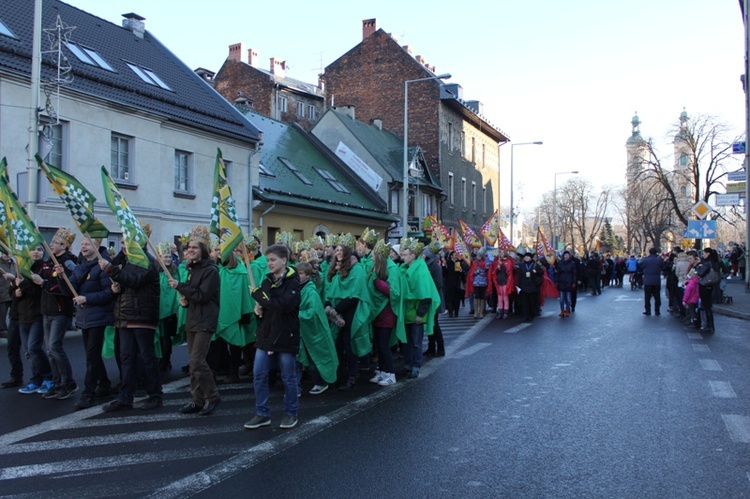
{"x":77,"y":198}
{"x":22,"y":234}
{"x":134,"y":235}
{"x":224,"y":222}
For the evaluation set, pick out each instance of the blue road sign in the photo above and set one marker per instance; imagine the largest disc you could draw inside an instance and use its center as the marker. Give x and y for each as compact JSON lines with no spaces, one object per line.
{"x":701,"y":229}
{"x":738,"y":147}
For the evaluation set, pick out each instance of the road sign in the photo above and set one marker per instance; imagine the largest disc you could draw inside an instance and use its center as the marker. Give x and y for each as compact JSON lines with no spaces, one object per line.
{"x":701,"y":229}
{"x":727,"y":199}
{"x":737,"y":188}
{"x":702,"y":209}
{"x":737,"y":176}
{"x":738,"y":148}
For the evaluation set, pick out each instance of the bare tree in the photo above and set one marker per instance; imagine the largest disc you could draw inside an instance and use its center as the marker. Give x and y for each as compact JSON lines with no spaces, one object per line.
{"x":581,"y":211}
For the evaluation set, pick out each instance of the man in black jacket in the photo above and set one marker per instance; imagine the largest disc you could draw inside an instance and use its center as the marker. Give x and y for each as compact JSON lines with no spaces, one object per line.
{"x":201,"y":297}
{"x":277,"y":338}
{"x":136,"y":316}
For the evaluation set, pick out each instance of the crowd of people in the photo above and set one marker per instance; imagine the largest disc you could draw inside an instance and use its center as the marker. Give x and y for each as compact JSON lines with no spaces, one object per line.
{"x":313,"y":314}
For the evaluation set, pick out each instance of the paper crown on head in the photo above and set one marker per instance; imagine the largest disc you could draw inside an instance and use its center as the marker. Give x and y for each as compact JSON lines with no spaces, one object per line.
{"x":184,"y":238}
{"x":331,"y":239}
{"x":64,"y":236}
{"x":413,"y":245}
{"x":369,"y":236}
{"x":300,"y":246}
{"x":147,"y":229}
{"x":163,"y":249}
{"x":285,"y":238}
{"x":200,"y":233}
{"x":382,"y":248}
{"x":435,"y":246}
{"x":347,"y":240}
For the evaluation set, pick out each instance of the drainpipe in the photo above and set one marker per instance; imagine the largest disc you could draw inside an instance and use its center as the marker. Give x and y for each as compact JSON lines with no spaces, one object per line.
{"x":250,"y":188}
{"x":260,"y":218}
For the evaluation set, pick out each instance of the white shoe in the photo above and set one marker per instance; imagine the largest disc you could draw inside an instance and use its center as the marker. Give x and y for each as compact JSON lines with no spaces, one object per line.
{"x":378,"y":377}
{"x":388,"y":379}
{"x":318,"y":389}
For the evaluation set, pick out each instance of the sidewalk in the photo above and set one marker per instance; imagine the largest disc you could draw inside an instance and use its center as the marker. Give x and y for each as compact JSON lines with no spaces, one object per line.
{"x":740,"y":306}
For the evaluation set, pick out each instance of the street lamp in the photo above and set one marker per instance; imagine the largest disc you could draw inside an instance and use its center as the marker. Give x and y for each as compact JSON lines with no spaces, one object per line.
{"x":536,"y":143}
{"x":405,"y":207}
{"x":554,"y":207}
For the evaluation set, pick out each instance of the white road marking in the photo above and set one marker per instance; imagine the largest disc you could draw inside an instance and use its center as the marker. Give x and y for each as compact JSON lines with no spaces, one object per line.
{"x":518,"y":328}
{"x":700,"y":348}
{"x":471,"y":350}
{"x":694,"y":336}
{"x":722,"y":389}
{"x":625,"y":298}
{"x":709,"y":365}
{"x":738,"y":427}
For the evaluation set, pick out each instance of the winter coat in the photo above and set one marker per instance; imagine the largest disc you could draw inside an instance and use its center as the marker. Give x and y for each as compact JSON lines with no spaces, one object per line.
{"x":681,"y":266}
{"x":651,"y":267}
{"x":89,"y":280}
{"x":496,"y":275}
{"x":137,"y":304}
{"x":567,"y":275}
{"x":55,"y":298}
{"x":691,"y":291}
{"x":529,"y":276}
{"x":29,"y":304}
{"x":279,"y":327}
{"x":202,"y":292}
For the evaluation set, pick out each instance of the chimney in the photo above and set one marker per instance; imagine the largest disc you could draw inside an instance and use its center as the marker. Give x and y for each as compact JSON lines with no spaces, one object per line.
{"x":134,"y":23}
{"x":252,"y":57}
{"x":278,"y":68}
{"x":235,"y":52}
{"x":377,"y":123}
{"x":369,"y":26}
{"x":408,"y":49}
{"x":420,"y":60}
{"x":346,"y":110}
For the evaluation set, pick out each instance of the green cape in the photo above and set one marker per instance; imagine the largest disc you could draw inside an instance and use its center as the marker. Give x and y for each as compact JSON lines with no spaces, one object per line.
{"x":420,"y":286}
{"x":396,"y":283}
{"x":182,"y":276}
{"x":354,"y":286}
{"x":236,"y":303}
{"x":316,"y":339}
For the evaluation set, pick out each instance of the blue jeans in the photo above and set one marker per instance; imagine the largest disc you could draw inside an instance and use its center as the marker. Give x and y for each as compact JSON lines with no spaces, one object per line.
{"x":287,"y":362}
{"x":33,"y":336}
{"x":55,"y":327}
{"x":413,"y":345}
{"x":135,"y":342}
{"x":565,"y":300}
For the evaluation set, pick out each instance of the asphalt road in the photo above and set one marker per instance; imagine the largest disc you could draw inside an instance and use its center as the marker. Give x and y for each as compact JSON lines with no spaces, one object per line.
{"x":606,"y":403}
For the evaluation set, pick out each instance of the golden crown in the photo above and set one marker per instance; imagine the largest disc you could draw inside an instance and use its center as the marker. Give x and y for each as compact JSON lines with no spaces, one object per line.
{"x":163,"y":249}
{"x":382,"y":248}
{"x":200,"y":233}
{"x":435,"y":246}
{"x":184,"y":238}
{"x":369,"y":236}
{"x":412,"y":245}
{"x":285,"y":238}
{"x":347,"y":240}
{"x":331,"y":240}
{"x":64,"y":237}
{"x":147,"y":229}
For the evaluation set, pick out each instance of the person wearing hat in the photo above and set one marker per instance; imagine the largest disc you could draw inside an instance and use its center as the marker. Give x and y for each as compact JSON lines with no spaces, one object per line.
{"x":200,"y":295}
{"x":435,"y":343}
{"x":57,"y":312}
{"x":529,"y":279}
{"x":477,"y":281}
{"x":566,"y":272}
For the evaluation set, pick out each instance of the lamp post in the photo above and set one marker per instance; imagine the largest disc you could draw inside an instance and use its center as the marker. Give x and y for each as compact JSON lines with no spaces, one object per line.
{"x":554,"y":207}
{"x":405,"y":207}
{"x":536,"y":143}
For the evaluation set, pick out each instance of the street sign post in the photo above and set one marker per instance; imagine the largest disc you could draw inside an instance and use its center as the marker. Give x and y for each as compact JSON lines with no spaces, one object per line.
{"x":702,"y":209}
{"x":738,"y":148}
{"x":738,"y":176}
{"x":727,"y":199}
{"x":701,"y":229}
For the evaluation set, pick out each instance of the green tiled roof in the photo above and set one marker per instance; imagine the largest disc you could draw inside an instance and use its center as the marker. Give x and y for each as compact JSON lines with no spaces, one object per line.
{"x":285,"y":144}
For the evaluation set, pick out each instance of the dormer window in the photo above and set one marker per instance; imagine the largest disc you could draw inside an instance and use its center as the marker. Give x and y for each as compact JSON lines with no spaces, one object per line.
{"x":148,"y":76}
{"x":265,"y":171}
{"x":88,"y":56}
{"x":332,"y":180}
{"x":294,"y":170}
{"x":5,"y":30}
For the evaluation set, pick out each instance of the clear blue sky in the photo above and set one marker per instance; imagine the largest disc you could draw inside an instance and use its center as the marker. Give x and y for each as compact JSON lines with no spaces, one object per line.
{"x":571,"y":74}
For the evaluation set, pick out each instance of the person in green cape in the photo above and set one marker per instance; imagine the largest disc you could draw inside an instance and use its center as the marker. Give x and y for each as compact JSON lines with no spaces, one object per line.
{"x":182,"y":276}
{"x":317,"y":350}
{"x":387,"y":307}
{"x":421,"y":300}
{"x":325,"y":261}
{"x":365,"y":245}
{"x":237,"y":323}
{"x":347,"y":305}
{"x":169,"y":303}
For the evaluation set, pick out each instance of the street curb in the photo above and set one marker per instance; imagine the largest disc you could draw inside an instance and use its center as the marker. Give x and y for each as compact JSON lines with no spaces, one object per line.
{"x":731,"y":313}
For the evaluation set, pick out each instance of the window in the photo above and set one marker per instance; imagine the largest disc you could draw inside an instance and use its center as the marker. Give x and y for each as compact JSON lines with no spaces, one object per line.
{"x":450,"y":137}
{"x":5,"y":30}
{"x":282,"y":104}
{"x":428,"y":205}
{"x":301,"y":109}
{"x":182,"y":171}
{"x":89,"y":56}
{"x":484,"y":199}
{"x":148,"y":76}
{"x":228,"y":170}
{"x":51,"y":142}
{"x":395,"y":200}
{"x":119,"y":165}
{"x":484,"y":163}
{"x":683,"y":159}
{"x":474,"y":196}
{"x":294,"y":170}
{"x":463,"y":144}
{"x":463,"y":193}
{"x":265,"y":171}
{"x":473,"y":150}
{"x":451,"y":198}
{"x":683,"y":191}
{"x":311,"y":113}
{"x":332,"y":180}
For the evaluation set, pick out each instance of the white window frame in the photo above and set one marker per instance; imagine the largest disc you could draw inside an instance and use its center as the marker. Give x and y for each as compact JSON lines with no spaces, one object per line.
{"x":395,"y":201}
{"x":59,"y":134}
{"x":311,"y":112}
{"x":474,"y":196}
{"x":301,"y":109}
{"x":183,"y":161}
{"x":116,"y":170}
{"x":484,"y":199}
{"x":282,"y":104}
{"x":463,"y":193}
{"x":451,"y":190}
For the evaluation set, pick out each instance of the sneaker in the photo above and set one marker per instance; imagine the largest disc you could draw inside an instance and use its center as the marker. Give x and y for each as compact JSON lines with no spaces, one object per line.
{"x":51,"y":392}
{"x":288,"y":422}
{"x":116,"y":406}
{"x":414,"y":374}
{"x":65,"y":392}
{"x":378,"y":377}
{"x":318,"y":389}
{"x":257,"y":422}
{"x":388,"y":379}
{"x":190,"y":408}
{"x":30,"y":388}
{"x":44,"y":387}
{"x":151,"y":403}
{"x":85,"y":402}
{"x":210,"y":406}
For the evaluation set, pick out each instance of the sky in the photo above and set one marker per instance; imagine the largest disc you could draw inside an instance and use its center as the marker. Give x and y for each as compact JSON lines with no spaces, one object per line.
{"x":571,"y":74}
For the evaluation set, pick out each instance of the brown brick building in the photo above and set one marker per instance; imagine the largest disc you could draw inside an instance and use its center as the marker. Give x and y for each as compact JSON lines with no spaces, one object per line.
{"x":459,"y":143}
{"x":268,"y":92}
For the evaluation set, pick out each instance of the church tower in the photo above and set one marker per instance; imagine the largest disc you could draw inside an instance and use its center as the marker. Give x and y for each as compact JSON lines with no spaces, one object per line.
{"x":636,"y":148}
{"x":683,"y":163}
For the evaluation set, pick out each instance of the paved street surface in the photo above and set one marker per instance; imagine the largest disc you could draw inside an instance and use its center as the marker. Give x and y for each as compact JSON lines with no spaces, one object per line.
{"x":606,"y":403}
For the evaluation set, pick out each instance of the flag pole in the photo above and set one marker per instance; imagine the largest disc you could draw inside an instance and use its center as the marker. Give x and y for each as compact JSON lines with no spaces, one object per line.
{"x":247,"y":265}
{"x":64,"y":275}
